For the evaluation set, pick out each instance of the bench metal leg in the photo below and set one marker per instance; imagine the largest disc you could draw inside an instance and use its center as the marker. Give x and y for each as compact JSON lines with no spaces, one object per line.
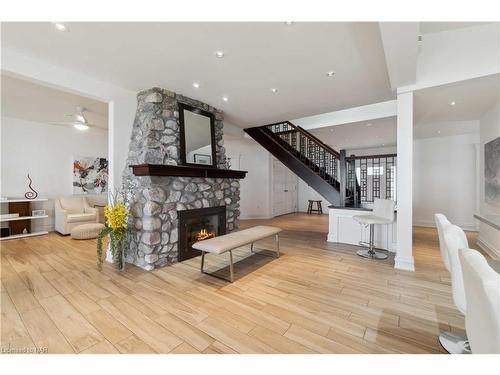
{"x":266,"y":255}
{"x":231,"y":265}
{"x":231,"y":268}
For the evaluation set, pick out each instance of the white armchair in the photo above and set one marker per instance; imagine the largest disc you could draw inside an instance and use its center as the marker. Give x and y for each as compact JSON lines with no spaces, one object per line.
{"x":73,"y":211}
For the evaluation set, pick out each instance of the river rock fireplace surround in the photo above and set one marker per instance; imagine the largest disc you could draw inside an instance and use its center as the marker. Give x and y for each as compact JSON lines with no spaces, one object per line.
{"x":161,"y":191}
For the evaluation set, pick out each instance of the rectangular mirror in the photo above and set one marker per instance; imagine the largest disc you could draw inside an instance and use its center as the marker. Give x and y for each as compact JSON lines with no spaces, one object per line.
{"x":197,"y":136}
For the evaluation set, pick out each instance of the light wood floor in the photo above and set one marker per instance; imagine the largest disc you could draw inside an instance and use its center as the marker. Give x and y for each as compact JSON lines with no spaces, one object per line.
{"x":316,"y":298}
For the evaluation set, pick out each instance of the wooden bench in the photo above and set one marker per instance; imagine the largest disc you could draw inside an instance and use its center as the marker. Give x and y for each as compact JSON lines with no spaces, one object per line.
{"x":229,"y":242}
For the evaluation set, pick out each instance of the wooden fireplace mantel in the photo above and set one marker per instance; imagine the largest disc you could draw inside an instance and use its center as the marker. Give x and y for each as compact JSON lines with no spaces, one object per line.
{"x":185,"y":171}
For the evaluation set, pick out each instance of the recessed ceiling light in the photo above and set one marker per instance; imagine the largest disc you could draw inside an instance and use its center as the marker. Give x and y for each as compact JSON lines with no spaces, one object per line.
{"x":80,"y":126}
{"x":369,"y":124}
{"x":60,"y":26}
{"x":383,"y":144}
{"x":452,"y":103}
{"x":196,"y":85}
{"x":274,"y":90}
{"x":330,"y":74}
{"x":225,"y":98}
{"x":219,"y":54}
{"x":439,"y":131}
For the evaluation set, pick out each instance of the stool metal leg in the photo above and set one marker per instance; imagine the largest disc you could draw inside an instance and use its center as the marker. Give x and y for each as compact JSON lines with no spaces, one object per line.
{"x":455,"y":342}
{"x":370,"y":252}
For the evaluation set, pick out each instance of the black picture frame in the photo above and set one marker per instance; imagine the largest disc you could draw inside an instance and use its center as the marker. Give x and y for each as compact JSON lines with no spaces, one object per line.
{"x":202,"y":157}
{"x":198,"y":111}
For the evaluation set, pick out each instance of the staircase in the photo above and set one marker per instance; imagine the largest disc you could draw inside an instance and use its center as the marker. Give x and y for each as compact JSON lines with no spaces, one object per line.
{"x":308,"y":157}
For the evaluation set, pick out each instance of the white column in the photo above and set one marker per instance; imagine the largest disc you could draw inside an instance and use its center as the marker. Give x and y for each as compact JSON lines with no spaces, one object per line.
{"x":404,"y":252}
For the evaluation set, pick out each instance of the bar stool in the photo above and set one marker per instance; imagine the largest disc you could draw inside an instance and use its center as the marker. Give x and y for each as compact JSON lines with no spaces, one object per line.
{"x":318,"y":208}
{"x":383,"y":214}
{"x":482,"y":290}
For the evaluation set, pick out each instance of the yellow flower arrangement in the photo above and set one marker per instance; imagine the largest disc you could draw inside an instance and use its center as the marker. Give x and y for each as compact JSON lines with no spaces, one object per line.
{"x":116,"y":215}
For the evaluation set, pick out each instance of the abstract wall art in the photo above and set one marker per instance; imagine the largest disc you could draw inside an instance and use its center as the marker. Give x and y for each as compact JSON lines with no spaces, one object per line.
{"x":492,"y":172}
{"x":90,"y":175}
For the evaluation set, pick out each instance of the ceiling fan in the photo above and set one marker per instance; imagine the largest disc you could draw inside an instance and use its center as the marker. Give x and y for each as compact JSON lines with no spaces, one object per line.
{"x":80,"y":121}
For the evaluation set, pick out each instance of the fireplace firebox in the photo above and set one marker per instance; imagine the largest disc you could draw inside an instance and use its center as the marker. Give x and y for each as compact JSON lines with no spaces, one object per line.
{"x":199,"y":224}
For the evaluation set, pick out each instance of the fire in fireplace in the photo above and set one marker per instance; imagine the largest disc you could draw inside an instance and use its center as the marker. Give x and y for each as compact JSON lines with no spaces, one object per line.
{"x":197,"y":225}
{"x":204,"y":234}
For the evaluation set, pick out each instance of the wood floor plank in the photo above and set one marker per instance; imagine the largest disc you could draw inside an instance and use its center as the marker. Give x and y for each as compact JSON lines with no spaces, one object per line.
{"x":317,"y":297}
{"x":14,"y":335}
{"x":45,"y":333}
{"x":77,"y":330}
{"x":184,"y":348}
{"x":134,"y":345}
{"x":316,"y":342}
{"x":219,"y":348}
{"x":104,"y":347}
{"x":280,"y":343}
{"x":82,"y":303}
{"x":191,"y":335}
{"x":108,"y":326}
{"x":233,"y":338}
{"x":152,"y":333}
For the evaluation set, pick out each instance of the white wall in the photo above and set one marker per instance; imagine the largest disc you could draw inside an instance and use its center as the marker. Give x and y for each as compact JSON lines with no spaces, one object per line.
{"x":255,"y":189}
{"x":46,"y":152}
{"x":122,"y":102}
{"x":489,"y":238}
{"x":305,"y":192}
{"x":445,"y":179}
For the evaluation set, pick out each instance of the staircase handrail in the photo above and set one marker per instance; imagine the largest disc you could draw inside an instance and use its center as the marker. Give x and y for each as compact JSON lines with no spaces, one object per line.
{"x":307,"y":135}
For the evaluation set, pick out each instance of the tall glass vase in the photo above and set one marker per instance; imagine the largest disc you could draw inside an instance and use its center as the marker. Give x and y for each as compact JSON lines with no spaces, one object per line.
{"x":118,"y":249}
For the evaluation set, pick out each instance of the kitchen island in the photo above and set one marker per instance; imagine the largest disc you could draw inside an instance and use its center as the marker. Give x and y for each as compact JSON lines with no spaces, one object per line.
{"x":342,"y":228}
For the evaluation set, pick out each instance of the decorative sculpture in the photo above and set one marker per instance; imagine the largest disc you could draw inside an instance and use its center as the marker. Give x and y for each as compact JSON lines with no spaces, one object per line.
{"x":30,"y":194}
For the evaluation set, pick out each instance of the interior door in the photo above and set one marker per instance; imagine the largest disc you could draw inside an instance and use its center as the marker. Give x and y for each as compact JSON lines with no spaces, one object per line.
{"x":279,"y":187}
{"x":284,"y":189}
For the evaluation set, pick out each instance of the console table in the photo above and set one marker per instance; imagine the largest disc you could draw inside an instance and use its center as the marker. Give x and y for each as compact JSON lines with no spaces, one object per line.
{"x":18,"y":224}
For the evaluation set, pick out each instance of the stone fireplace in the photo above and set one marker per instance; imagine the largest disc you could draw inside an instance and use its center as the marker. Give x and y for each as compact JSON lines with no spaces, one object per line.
{"x":199,"y":224}
{"x":158,"y":201}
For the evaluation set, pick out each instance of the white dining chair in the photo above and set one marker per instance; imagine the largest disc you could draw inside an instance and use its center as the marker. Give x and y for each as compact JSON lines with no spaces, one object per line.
{"x":441,"y":224}
{"x":482,"y":290}
{"x":455,"y":342}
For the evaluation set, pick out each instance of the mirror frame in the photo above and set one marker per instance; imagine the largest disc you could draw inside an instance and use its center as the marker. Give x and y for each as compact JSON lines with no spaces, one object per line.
{"x":198,"y":111}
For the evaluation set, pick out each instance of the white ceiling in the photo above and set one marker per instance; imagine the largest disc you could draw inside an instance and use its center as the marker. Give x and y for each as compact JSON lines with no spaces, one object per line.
{"x":34,"y":102}
{"x":433,"y":116}
{"x":258,"y":56}
{"x":472,"y":97}
{"x":358,"y":135}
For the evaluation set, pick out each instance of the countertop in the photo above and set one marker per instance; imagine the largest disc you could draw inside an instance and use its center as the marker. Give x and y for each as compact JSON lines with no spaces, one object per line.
{"x":355,"y":208}
{"x":490,"y":219}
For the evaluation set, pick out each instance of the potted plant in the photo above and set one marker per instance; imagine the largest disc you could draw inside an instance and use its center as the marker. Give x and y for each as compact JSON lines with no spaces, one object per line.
{"x":116,"y":214}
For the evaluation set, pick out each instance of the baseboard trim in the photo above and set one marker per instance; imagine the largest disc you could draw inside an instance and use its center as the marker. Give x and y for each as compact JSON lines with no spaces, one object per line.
{"x":404,"y":264}
{"x":255,"y":217}
{"x":488,"y":248}
{"x":432,"y":224}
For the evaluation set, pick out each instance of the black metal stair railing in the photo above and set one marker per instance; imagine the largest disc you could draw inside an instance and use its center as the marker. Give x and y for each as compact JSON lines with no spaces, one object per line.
{"x":311,"y":151}
{"x":370,"y":177}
